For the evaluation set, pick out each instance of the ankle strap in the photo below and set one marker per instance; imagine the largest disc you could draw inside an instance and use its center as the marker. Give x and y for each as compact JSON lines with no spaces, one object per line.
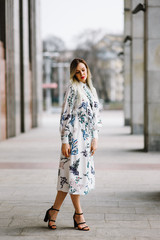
{"x":78,"y":213}
{"x":54,"y":209}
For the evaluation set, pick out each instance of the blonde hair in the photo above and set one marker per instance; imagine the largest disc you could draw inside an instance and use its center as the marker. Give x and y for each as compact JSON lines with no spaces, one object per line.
{"x":75,"y":81}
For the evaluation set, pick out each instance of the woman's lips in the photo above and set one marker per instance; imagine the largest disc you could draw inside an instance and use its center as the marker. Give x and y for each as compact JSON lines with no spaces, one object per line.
{"x":82,"y":77}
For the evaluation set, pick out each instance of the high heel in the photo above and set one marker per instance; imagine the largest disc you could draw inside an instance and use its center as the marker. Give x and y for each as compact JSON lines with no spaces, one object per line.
{"x":48,"y":219}
{"x":76,"y":225}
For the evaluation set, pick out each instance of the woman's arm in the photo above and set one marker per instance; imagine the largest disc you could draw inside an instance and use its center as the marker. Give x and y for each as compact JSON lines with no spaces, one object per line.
{"x":66,"y":149}
{"x":66,"y":119}
{"x":94,"y":145}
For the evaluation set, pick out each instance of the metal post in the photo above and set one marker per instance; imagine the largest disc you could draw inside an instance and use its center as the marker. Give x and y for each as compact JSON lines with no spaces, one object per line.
{"x":48,"y":101}
{"x":60,"y":79}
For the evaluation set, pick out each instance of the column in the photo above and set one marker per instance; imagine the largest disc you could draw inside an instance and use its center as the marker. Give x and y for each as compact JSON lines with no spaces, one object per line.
{"x":137,"y":71}
{"x":3,"y":133}
{"x":2,"y":73}
{"x":36,"y":61}
{"x":12,"y":68}
{"x":26,"y":81}
{"x":152,"y":76}
{"x":127,"y":62}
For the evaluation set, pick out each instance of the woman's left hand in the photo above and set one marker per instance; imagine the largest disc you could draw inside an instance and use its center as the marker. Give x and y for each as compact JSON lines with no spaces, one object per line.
{"x":93,"y":146}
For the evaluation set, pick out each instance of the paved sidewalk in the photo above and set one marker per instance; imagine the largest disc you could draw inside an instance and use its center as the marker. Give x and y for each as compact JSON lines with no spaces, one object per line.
{"x":124,"y":206}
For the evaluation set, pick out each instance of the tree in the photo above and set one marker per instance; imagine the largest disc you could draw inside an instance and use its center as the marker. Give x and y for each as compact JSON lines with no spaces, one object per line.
{"x":100,"y":51}
{"x":53,"y":44}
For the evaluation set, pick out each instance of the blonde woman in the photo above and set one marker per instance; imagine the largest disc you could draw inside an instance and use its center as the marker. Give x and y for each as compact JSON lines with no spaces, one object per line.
{"x":79,"y":135}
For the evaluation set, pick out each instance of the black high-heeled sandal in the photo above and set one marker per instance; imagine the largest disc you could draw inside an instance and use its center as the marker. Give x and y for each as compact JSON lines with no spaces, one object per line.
{"x":47,"y":218}
{"x":76,"y":225}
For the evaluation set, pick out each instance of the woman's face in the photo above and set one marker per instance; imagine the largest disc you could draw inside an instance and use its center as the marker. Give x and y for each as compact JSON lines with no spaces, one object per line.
{"x":81,"y":72}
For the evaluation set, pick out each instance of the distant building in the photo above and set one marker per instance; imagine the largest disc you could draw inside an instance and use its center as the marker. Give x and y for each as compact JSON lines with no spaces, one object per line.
{"x":110,"y":61}
{"x":104,"y":55}
{"x":20,"y":67}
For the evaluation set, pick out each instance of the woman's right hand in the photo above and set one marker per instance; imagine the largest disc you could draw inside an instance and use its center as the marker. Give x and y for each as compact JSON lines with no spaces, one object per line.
{"x":66,"y":149}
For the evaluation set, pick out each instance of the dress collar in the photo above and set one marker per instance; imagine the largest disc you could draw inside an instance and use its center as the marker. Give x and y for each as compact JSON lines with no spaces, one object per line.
{"x":82,"y":84}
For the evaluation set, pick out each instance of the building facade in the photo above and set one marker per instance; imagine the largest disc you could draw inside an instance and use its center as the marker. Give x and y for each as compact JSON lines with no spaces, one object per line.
{"x":20,"y":67}
{"x":142,"y":70}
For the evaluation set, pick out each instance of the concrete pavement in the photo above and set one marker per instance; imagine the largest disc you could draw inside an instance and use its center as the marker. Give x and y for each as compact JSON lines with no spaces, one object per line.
{"x":124,"y":206}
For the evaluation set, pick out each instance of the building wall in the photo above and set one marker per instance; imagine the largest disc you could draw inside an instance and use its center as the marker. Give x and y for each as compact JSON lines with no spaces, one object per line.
{"x":144,"y":71}
{"x":20,"y":49}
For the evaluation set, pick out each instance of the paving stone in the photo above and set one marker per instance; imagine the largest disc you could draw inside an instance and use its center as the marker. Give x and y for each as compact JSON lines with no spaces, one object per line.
{"x":153,"y":217}
{"x":95,"y":238}
{"x":147,"y":238}
{"x":125,"y":204}
{"x":127,"y":224}
{"x":119,"y":210}
{"x":27,"y":238}
{"x":126,"y":217}
{"x":4,"y":222}
{"x":10,"y":231}
{"x":127,"y":232}
{"x":154,"y":224}
{"x":148,"y":210}
{"x":138,"y":204}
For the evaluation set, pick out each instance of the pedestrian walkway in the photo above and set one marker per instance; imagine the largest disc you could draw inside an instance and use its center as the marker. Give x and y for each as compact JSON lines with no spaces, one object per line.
{"x":124,"y":206}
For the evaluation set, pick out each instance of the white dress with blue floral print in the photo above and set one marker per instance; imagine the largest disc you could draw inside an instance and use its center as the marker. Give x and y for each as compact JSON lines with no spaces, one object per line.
{"x":78,"y":125}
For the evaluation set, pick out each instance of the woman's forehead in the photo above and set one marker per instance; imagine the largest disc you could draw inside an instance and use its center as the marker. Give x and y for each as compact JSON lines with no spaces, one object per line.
{"x":80,"y":66}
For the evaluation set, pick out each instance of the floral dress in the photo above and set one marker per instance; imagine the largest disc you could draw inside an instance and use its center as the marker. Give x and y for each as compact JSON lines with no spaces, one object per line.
{"x":78,"y":126}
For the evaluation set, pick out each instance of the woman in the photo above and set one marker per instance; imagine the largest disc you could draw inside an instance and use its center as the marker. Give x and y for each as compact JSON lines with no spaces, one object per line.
{"x":79,"y":134}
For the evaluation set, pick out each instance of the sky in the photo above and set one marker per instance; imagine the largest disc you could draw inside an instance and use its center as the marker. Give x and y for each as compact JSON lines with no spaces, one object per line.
{"x":68,"y":18}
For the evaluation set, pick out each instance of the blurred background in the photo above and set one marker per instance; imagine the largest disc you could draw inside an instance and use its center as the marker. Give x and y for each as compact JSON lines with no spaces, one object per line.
{"x":39,"y":39}
{"x":119,"y":40}
{"x":90,"y":30}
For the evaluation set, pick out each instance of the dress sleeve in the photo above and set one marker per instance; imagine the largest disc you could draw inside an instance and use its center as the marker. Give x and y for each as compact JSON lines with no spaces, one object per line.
{"x":97,"y":119}
{"x":66,"y":121}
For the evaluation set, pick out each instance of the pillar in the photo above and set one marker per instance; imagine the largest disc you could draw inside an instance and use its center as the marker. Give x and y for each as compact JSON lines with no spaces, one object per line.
{"x":127,"y":62}
{"x":3,"y":116}
{"x":152,"y":76}
{"x":137,"y":71}
{"x":36,"y":61}
{"x":3,"y":133}
{"x":12,"y":68}
{"x":26,"y":77}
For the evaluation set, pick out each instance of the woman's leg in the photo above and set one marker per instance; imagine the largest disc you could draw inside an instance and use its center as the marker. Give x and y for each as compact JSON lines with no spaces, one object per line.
{"x":57,"y":204}
{"x":78,"y":209}
{"x":59,"y":199}
{"x":76,"y":203}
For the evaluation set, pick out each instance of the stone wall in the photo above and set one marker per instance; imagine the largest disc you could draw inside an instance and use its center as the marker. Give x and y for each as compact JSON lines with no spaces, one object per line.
{"x":21,"y":79}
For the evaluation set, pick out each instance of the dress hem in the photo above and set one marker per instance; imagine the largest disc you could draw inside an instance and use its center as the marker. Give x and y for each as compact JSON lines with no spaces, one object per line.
{"x":75,"y":193}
